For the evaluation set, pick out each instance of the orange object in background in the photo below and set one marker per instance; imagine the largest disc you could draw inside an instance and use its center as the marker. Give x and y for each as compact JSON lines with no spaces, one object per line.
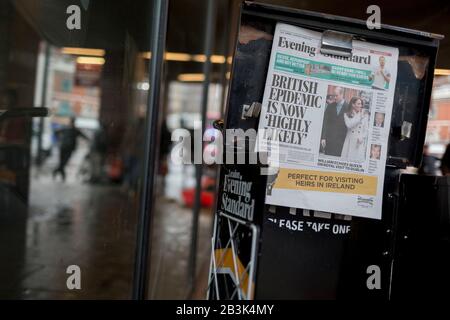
{"x":115,"y":168}
{"x":206,"y":196}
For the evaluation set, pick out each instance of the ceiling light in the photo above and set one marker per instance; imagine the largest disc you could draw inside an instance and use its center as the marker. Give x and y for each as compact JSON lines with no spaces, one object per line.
{"x":186,"y":57}
{"x":191,"y":77}
{"x":218,"y":59}
{"x":146,"y":55}
{"x":91,"y":60}
{"x":442,"y":72}
{"x":83,"y":51}
{"x":176,"y":56}
{"x":143,"y":86}
{"x":199,"y":58}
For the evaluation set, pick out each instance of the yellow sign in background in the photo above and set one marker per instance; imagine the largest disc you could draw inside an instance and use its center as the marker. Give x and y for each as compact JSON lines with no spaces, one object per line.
{"x":326,"y":181}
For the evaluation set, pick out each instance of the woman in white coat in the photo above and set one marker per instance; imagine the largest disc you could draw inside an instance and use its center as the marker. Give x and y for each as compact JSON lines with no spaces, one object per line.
{"x":357,"y":123}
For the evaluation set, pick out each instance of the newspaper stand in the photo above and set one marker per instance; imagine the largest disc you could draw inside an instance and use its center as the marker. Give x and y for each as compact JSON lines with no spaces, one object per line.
{"x":252,"y":257}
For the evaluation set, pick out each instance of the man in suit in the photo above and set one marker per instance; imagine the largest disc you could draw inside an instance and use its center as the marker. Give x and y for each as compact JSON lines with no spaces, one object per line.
{"x":334,"y":129}
{"x":379,"y":120}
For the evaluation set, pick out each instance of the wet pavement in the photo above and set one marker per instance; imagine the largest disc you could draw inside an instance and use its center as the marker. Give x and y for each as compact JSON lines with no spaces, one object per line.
{"x":169,"y":276}
{"x":94,"y":227}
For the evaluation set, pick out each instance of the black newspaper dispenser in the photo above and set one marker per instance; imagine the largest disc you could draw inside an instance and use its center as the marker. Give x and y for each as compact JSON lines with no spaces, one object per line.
{"x":253,"y":258}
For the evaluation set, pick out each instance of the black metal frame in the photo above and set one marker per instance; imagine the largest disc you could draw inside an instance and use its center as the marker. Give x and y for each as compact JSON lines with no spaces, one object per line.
{"x":152,"y":130}
{"x":358,"y":249}
{"x":387,"y":35}
{"x":208,"y":44}
{"x":350,"y":25}
{"x":390,"y":34}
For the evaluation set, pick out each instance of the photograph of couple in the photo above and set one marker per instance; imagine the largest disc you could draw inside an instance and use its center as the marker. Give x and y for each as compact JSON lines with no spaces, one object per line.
{"x":345,"y":127}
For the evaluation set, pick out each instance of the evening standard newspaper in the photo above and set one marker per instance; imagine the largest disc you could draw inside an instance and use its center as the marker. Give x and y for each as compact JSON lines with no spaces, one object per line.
{"x":327,"y":119}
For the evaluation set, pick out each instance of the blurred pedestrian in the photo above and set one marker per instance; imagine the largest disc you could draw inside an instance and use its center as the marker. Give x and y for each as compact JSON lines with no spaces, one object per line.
{"x":67,"y":145}
{"x":445,"y":162}
{"x":428,"y":165}
{"x":97,"y":156}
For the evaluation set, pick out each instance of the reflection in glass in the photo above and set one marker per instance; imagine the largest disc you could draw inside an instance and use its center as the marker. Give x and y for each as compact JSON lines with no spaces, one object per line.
{"x":69,"y":183}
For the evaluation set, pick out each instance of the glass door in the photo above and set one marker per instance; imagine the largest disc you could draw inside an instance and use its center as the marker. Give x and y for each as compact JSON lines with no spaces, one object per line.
{"x":72,"y":175}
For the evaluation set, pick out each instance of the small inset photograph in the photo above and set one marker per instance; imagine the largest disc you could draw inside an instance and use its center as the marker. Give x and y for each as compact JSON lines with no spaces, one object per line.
{"x":379,"y":120}
{"x":381,"y":76}
{"x":375,"y":151}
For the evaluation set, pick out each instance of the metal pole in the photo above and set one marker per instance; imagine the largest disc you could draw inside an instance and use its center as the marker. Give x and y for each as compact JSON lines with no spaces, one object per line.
{"x":208,"y":43}
{"x":225,"y":49}
{"x":158,"y":37}
{"x":43,"y":102}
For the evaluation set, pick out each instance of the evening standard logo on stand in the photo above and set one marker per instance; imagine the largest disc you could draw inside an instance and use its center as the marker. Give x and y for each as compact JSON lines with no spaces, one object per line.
{"x":236,"y":197}
{"x":365,"y":202}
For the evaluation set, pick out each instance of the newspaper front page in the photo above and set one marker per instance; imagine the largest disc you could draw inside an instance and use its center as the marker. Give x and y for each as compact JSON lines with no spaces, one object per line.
{"x":329,"y":118}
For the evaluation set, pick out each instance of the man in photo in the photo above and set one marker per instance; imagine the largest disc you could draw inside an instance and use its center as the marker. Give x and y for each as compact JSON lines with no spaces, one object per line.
{"x":330,"y":99}
{"x":375,"y":152}
{"x":381,"y":76}
{"x":308,"y":69}
{"x":379,"y":120}
{"x":334,"y":129}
